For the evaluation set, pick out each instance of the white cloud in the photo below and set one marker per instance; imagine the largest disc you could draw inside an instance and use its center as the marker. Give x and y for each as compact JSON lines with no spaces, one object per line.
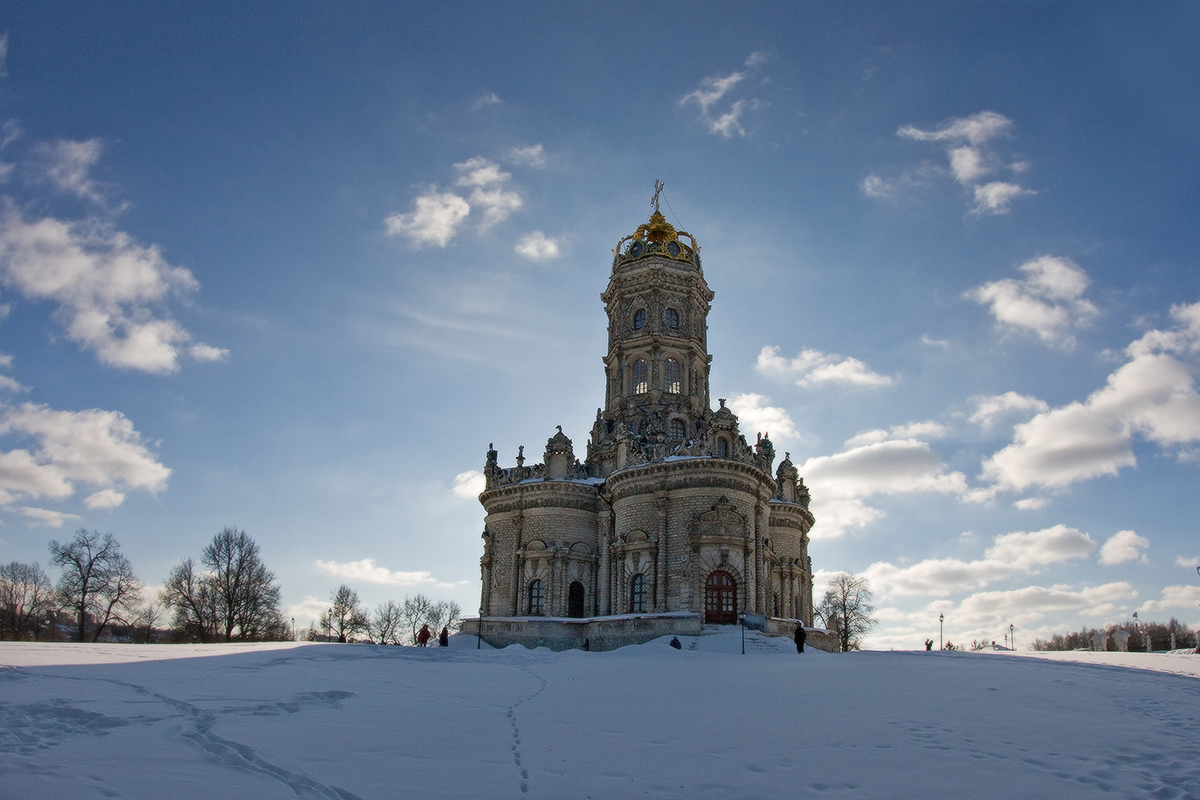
{"x":434,"y":221}
{"x":68,"y":164}
{"x":989,"y":409}
{"x":1152,"y":395}
{"x":367,"y":572}
{"x":995,"y":197}
{"x":1174,"y":597}
{"x":95,"y":448}
{"x":479,"y":171}
{"x":106,"y":286}
{"x":468,"y":484}
{"x":812,"y":368}
{"x":7,"y":384}
{"x":911,"y":430}
{"x":841,"y":482}
{"x":1123,"y":546}
{"x":875,"y":186}
{"x":105,"y":498}
{"x":970,"y":160}
{"x":1190,"y":563}
{"x":1010,"y":554}
{"x":537,"y":246}
{"x":754,"y":416}
{"x":51,"y":519}
{"x":715,"y":91}
{"x":204,"y":352}
{"x":1031,"y":503}
{"x":1048,"y":303}
{"x":497,"y":205}
{"x":485,"y":100}
{"x":1031,"y":603}
{"x":976,"y":129}
{"x":532,"y":156}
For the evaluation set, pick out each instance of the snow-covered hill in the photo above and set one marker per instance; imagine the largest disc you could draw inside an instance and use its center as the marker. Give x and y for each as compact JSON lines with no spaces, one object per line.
{"x":360,"y":721}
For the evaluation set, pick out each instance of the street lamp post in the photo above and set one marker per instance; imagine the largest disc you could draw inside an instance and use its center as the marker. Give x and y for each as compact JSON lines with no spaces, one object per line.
{"x":941,"y":621}
{"x":1012,"y":638}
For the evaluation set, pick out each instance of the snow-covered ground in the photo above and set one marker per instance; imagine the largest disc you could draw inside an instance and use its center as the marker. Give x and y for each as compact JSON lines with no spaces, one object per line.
{"x":360,"y":721}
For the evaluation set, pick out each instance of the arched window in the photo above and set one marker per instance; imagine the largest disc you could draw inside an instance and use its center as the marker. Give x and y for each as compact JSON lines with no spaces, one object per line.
{"x":671,"y":377}
{"x":678,"y":429}
{"x":720,"y":599}
{"x":575,"y":604}
{"x":672,"y":318}
{"x":722,"y":449}
{"x":639,"y":319}
{"x":637,"y":593}
{"x":537,"y":598}
{"x":641,"y":376}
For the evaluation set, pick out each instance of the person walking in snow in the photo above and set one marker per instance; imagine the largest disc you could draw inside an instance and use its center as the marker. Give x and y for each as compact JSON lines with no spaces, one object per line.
{"x":801,"y":635}
{"x":424,"y":636}
{"x":444,"y":637}
{"x":928,"y":644}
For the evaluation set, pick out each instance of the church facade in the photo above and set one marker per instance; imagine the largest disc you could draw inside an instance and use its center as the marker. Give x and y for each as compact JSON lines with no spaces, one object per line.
{"x":671,"y":516}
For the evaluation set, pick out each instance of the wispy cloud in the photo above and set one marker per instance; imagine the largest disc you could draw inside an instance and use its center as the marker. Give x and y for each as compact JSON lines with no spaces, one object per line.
{"x":991,"y":409}
{"x":366,"y":571}
{"x":971,"y":162}
{"x":485,"y":100}
{"x":813,"y":368}
{"x":719,"y":112}
{"x":67,"y":165}
{"x":434,"y":221}
{"x":468,"y":484}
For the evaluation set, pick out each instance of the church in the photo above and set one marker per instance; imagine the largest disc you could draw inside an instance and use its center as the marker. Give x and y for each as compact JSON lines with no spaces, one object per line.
{"x":671,"y":520}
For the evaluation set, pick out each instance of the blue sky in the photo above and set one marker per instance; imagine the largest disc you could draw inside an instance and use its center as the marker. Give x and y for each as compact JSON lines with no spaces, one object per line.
{"x":292,"y":268}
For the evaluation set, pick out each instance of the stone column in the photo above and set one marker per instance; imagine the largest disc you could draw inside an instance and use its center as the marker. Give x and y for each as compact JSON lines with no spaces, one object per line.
{"x":762,"y":526}
{"x":518,"y":532}
{"x":604,"y":573}
{"x":660,"y":583}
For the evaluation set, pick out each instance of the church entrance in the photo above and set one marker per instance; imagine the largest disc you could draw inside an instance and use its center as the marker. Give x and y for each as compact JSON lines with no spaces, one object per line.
{"x":575,"y":600}
{"x":720,"y":599}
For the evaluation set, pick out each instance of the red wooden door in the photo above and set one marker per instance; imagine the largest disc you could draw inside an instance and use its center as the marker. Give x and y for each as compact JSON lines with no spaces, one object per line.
{"x":720,"y":599}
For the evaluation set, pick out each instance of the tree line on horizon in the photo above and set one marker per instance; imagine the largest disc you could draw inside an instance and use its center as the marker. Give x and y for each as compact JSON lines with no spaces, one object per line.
{"x":1172,"y":635}
{"x":229,"y":595}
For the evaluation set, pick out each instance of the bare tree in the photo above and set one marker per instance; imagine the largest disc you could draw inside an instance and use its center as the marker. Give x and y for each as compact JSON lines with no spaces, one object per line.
{"x":415,"y":613}
{"x":235,"y":597}
{"x":97,"y":581}
{"x":846,"y":609}
{"x":445,"y":614}
{"x":386,"y":622}
{"x":26,"y":596}
{"x":346,"y":616}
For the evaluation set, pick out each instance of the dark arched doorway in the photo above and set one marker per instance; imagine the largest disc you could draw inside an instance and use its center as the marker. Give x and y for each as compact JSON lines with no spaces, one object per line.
{"x":575,"y":606}
{"x":720,"y":599}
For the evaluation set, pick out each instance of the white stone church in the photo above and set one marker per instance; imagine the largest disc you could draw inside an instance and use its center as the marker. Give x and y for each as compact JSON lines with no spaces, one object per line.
{"x":672,"y":520}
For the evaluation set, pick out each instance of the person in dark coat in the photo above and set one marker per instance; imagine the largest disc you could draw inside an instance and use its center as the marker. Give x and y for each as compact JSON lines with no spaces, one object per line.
{"x":424,"y":636}
{"x":444,"y":638}
{"x":801,"y":635}
{"x":928,"y":645}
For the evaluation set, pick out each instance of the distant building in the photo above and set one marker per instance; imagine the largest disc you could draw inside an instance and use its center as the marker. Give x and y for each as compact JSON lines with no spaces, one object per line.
{"x":672,"y":517}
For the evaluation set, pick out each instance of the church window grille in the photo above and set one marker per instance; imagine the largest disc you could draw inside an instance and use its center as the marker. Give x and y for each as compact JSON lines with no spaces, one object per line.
{"x":672,"y":317}
{"x":641,"y":376}
{"x":575,"y":600}
{"x":722,"y":449}
{"x":720,"y":599}
{"x":637,"y":593}
{"x":537,"y":598}
{"x":678,"y":430}
{"x":639,"y":319}
{"x":672,"y":375}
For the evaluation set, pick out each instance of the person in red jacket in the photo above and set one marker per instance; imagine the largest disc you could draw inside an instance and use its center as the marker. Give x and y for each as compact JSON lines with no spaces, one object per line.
{"x":423,"y":636}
